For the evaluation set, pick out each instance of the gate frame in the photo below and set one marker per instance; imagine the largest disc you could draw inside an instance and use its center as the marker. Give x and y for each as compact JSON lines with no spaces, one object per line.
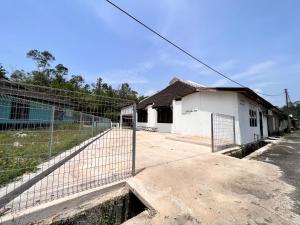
{"x":212,"y":130}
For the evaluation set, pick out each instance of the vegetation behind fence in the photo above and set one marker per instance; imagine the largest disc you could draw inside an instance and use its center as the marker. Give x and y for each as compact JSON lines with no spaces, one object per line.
{"x":56,"y":142}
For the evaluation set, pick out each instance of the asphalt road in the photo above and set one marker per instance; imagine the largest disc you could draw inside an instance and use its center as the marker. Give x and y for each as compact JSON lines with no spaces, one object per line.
{"x":286,"y":155}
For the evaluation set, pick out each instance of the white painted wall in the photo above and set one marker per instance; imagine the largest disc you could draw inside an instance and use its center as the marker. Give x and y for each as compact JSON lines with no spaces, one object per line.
{"x":152,"y":116}
{"x":127,"y":110}
{"x":192,"y":115}
{"x":164,"y":127}
{"x":248,"y":134}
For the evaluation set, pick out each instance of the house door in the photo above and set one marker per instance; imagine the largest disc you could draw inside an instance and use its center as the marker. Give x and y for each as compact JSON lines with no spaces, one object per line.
{"x":261,"y":125}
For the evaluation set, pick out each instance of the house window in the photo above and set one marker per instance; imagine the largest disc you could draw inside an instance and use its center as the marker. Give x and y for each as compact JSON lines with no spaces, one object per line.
{"x":19,"y":111}
{"x":164,"y":115}
{"x":253,"y":118}
{"x":142,"y":116}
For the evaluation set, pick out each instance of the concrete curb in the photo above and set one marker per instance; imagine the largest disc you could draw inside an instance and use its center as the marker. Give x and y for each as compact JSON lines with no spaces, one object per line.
{"x":57,"y":206}
{"x":262,"y":149}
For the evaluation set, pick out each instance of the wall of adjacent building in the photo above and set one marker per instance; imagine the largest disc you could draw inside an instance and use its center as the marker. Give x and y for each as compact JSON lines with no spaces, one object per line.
{"x":192,"y":115}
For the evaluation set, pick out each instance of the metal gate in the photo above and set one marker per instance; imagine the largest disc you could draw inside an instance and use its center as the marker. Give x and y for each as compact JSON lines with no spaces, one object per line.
{"x":55,"y":143}
{"x":222,"y":131}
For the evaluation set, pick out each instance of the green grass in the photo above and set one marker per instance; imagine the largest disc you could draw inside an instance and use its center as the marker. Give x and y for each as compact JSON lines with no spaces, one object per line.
{"x":19,"y":155}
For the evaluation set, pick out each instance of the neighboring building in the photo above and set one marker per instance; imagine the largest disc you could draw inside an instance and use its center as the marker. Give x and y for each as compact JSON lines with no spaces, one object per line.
{"x":126,"y":116}
{"x":20,"y":113}
{"x":185,"y":107}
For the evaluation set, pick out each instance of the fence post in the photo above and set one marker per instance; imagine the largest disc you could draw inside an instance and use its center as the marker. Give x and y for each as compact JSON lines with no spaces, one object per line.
{"x":93,"y":118}
{"x":80,"y":120}
{"x":234,"y":138}
{"x":133,"y":137}
{"x":212,"y":132}
{"x":51,"y":132}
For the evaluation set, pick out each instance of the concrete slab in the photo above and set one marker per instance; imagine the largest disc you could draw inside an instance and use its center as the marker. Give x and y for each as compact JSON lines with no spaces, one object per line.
{"x":155,"y":149}
{"x":214,"y":189}
{"x":106,"y":160}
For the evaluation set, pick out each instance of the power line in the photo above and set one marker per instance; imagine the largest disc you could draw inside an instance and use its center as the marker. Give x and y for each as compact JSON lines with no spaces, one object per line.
{"x":290,"y":99}
{"x":178,"y":47}
{"x":271,"y":94}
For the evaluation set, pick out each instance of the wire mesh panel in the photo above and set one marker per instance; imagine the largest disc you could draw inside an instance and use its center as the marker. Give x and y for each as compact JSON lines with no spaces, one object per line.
{"x":55,"y":143}
{"x":223,"y":131}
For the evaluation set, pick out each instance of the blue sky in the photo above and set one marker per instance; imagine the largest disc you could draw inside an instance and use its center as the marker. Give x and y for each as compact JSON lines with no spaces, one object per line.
{"x":255,"y":42}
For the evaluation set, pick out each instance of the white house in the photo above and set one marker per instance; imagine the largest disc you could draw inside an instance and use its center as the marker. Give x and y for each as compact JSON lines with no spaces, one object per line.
{"x":185,"y":107}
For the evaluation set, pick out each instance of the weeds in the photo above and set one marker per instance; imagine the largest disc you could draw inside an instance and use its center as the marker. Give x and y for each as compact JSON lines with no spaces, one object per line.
{"x":22,"y":151}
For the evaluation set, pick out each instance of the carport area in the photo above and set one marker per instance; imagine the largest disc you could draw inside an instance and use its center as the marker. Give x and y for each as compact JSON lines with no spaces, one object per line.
{"x":154,"y":148}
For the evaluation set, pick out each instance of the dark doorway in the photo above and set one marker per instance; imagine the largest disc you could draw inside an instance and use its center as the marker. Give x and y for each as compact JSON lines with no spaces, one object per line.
{"x":261,"y":125}
{"x":164,"y":115}
{"x":127,"y":121}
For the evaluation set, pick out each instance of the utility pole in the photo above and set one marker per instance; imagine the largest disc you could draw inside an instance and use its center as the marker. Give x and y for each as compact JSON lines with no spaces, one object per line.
{"x":287,"y":106}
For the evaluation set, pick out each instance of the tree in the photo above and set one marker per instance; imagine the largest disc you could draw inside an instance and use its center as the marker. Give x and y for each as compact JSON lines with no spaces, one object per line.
{"x":76,"y":82}
{"x":2,"y":72}
{"x":126,"y":92}
{"x":42,"y":59}
{"x":20,"y":76}
{"x":46,"y":75}
{"x":293,"y":109}
{"x":59,"y":73}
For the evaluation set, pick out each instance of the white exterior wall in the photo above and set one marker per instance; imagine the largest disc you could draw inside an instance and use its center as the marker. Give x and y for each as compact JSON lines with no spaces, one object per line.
{"x":164,"y":127}
{"x":125,"y":111}
{"x":192,"y":115}
{"x":250,"y":134}
{"x":128,"y":110}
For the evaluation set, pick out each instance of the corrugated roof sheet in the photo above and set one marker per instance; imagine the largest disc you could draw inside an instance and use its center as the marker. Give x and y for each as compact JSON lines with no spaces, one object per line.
{"x":164,"y":98}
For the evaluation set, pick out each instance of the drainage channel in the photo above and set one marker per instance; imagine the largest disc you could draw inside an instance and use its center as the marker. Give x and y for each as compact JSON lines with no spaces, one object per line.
{"x":245,"y":150}
{"x":111,"y":205}
{"x":115,"y":211}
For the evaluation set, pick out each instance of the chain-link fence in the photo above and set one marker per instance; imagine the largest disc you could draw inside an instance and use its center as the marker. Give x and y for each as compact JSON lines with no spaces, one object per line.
{"x":222,"y":131}
{"x":55,"y":143}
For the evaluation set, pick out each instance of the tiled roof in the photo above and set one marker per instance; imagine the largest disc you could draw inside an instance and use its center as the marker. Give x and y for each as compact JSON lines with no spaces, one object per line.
{"x":176,"y":90}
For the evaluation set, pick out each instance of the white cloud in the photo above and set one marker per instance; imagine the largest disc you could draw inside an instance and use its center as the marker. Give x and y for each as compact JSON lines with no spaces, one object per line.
{"x":132,"y":75}
{"x":227,"y":65}
{"x":251,"y":73}
{"x":195,"y":66}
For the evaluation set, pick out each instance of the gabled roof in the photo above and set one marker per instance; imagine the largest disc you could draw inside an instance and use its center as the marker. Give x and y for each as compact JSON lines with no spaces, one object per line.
{"x":179,"y":88}
{"x":176,"y":90}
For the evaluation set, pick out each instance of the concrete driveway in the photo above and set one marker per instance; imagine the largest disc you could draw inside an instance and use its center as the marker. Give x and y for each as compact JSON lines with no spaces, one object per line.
{"x":186,"y":184}
{"x":155,"y":149}
{"x":106,"y":160}
{"x":214,"y":189}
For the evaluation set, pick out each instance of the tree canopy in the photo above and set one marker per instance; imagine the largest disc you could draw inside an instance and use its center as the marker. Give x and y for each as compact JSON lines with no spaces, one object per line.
{"x":58,"y":76}
{"x":2,"y":72}
{"x":293,"y":109}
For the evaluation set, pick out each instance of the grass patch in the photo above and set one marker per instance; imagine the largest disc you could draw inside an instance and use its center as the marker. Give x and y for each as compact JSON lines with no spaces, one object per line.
{"x":23,"y":150}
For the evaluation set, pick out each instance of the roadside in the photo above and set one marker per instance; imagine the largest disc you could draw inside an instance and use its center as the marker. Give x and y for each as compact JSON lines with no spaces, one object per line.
{"x":286,"y":155}
{"x":215,"y":189}
{"x":186,"y":184}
